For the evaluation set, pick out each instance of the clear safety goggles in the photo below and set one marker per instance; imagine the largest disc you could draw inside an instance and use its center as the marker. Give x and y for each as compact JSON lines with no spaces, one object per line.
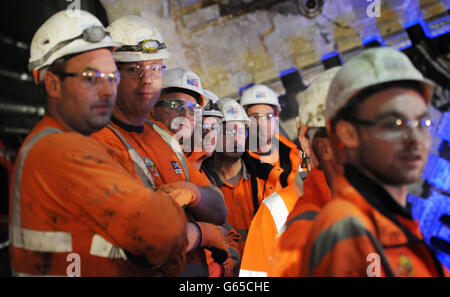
{"x":179,"y":106}
{"x":258,"y":116}
{"x":91,"y":34}
{"x":92,"y":79}
{"x":130,"y":70}
{"x":236,"y":132}
{"x":148,"y":46}
{"x":207,"y":127}
{"x":393,"y":128}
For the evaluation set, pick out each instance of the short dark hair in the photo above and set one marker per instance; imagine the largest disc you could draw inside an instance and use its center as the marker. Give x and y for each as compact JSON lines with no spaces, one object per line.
{"x":349,"y":110}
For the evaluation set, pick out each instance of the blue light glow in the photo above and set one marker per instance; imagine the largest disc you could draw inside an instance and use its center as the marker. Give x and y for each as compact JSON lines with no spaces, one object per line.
{"x":288,"y":71}
{"x":428,"y":29}
{"x":372,"y":38}
{"x":437,"y":172}
{"x":241,"y":90}
{"x":428,"y":213}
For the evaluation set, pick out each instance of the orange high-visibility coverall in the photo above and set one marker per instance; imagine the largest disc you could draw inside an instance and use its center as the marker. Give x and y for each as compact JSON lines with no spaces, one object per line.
{"x":240,"y":199}
{"x":160,"y":159}
{"x":230,"y":267}
{"x":265,"y":226}
{"x":287,"y":157}
{"x":70,"y":196}
{"x":287,"y":253}
{"x":162,"y":163}
{"x":362,"y":231}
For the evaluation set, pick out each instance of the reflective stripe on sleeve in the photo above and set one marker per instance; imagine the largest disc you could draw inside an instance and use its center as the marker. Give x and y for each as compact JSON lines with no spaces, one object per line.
{"x":41,"y":241}
{"x":308,"y":215}
{"x":103,"y":248}
{"x":252,"y":273}
{"x":16,"y":221}
{"x":278,"y":209}
{"x":341,"y":230}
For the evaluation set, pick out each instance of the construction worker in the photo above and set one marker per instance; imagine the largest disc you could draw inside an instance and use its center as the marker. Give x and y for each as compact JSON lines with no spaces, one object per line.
{"x":367,"y":229}
{"x":139,"y":146}
{"x":206,"y":131}
{"x":274,"y":210}
{"x":265,"y":142}
{"x":285,"y":259}
{"x":75,"y":210}
{"x":243,"y":180}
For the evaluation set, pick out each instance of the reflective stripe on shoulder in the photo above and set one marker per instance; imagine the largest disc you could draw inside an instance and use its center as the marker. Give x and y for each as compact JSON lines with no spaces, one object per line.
{"x":252,"y":273}
{"x":308,"y":215}
{"x":138,"y":163}
{"x":41,"y":241}
{"x":23,"y":155}
{"x":346,"y":228}
{"x":172,"y":143}
{"x":103,"y":248}
{"x":278,"y":209}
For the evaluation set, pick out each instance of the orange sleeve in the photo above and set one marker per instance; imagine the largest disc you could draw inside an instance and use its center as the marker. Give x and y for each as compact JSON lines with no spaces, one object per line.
{"x":259,"y":244}
{"x":96,"y":191}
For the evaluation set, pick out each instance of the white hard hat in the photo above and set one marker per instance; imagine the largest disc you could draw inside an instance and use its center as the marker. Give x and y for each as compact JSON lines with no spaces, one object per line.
{"x":139,"y":38}
{"x":313,"y":99}
{"x":212,"y":110}
{"x":370,"y":68}
{"x":184,"y":79}
{"x":232,"y":111}
{"x":63,"y":35}
{"x":260,"y":94}
{"x":211,"y":96}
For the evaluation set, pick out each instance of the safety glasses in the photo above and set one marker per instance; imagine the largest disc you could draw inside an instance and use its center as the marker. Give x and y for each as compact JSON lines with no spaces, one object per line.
{"x":92,"y":79}
{"x":148,"y":46}
{"x":137,"y":71}
{"x":258,"y":116}
{"x":179,"y":106}
{"x":393,"y":128}
{"x":236,"y":132}
{"x":206,"y":127}
{"x":91,"y":34}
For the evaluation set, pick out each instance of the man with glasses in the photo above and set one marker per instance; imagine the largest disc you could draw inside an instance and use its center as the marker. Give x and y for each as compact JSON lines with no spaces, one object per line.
{"x":206,"y":132}
{"x":327,"y":164}
{"x":243,"y":180}
{"x":265,"y":142}
{"x":377,"y":111}
{"x":75,"y":211}
{"x":140,"y":144}
{"x":269,"y":221}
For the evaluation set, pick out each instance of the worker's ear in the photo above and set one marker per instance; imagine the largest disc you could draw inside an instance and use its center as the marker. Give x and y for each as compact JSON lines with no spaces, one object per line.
{"x":52,"y":85}
{"x":346,"y":134}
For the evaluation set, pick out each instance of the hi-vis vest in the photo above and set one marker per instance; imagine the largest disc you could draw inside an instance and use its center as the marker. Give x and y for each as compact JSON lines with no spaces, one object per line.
{"x":27,"y":244}
{"x":265,"y":226}
{"x":196,"y":264}
{"x":139,"y":164}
